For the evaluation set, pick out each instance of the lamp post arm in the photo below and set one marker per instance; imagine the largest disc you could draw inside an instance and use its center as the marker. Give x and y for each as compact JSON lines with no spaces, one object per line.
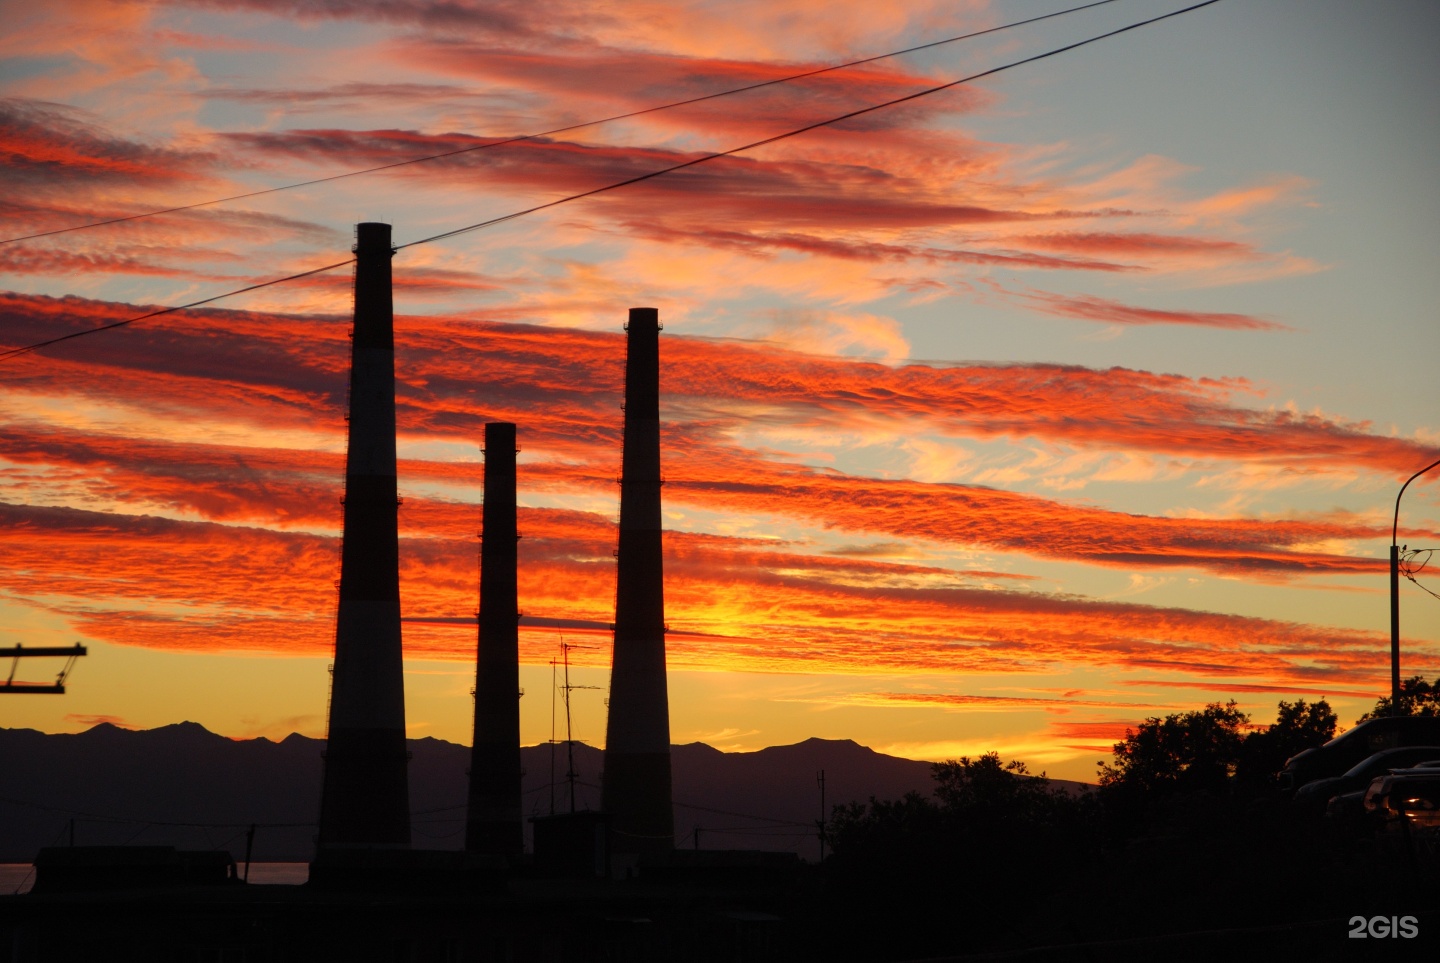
{"x":1395,"y":526}
{"x":1395,"y":595}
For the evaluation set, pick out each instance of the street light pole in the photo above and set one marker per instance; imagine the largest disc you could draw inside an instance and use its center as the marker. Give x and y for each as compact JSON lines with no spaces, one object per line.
{"x":1395,"y":595}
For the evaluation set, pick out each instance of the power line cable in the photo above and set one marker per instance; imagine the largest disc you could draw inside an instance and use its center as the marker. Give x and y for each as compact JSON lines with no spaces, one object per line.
{"x":97,"y":817}
{"x":630,"y":180}
{"x":561,"y":130}
{"x":179,"y":307}
{"x":727,"y":812}
{"x":1410,"y":569}
{"x":799,"y":130}
{"x":722,"y":812}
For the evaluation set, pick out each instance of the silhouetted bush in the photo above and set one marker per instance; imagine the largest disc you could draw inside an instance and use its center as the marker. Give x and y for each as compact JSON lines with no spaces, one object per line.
{"x":1417,"y":698}
{"x":993,"y":840}
{"x":1187,"y":833}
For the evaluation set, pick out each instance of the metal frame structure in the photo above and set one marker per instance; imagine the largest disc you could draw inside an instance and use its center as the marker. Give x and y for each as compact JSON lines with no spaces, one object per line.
{"x":19,"y":652}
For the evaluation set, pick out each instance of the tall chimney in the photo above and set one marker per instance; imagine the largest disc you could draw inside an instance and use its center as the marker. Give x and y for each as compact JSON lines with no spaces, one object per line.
{"x":365,"y":800}
{"x":637,"y":736}
{"x":493,"y":822}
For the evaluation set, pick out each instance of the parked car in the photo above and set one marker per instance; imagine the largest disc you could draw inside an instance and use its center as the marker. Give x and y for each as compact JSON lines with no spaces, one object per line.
{"x":1404,"y":810}
{"x":1350,"y":808}
{"x":1412,"y":793}
{"x":1317,"y":792}
{"x":1347,"y":809}
{"x":1350,"y":748}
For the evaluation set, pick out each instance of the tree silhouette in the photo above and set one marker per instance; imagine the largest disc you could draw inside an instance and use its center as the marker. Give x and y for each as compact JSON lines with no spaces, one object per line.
{"x":985,"y":782}
{"x":1210,"y":750}
{"x":1417,"y":698}
{"x":989,"y":842}
{"x":1298,"y":726}
{"x":1187,"y":751}
{"x":1188,"y":802}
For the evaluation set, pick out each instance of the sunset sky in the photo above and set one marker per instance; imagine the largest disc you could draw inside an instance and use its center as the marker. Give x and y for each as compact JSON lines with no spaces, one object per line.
{"x":999,"y":419}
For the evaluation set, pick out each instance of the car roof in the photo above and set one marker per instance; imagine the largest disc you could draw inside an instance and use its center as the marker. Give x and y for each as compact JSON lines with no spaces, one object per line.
{"x":1390,"y":722}
{"x":1380,"y":758}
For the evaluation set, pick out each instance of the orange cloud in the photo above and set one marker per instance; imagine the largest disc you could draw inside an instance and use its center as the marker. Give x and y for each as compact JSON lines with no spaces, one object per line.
{"x":1318,"y":688}
{"x":1090,"y":308}
{"x":277,"y":373}
{"x":49,"y":147}
{"x":740,"y":190}
{"x":736,"y":604}
{"x":285,"y":487}
{"x":1140,"y":245}
{"x":16,"y":259}
{"x":951,"y":700}
{"x":974,"y":515}
{"x":1098,"y":736}
{"x":94,"y":720}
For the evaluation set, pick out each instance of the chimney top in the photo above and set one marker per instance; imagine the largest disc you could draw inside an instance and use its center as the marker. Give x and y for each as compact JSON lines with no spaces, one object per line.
{"x":647,"y":319}
{"x":372,"y":236}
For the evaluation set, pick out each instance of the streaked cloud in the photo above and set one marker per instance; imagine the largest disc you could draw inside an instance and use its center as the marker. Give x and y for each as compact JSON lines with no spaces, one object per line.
{"x":1142,"y":424}
{"x":1088,"y":307}
{"x":737,"y":604}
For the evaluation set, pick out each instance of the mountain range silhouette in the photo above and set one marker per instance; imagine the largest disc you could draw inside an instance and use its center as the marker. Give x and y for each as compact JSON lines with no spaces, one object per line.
{"x":185,"y":786}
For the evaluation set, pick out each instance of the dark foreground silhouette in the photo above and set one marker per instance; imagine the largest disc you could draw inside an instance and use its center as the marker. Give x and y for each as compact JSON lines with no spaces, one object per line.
{"x":1187,"y":850}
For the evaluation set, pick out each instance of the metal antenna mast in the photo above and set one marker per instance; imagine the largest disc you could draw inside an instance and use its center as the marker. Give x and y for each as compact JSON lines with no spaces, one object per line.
{"x":552,"y":732}
{"x":570,"y":775}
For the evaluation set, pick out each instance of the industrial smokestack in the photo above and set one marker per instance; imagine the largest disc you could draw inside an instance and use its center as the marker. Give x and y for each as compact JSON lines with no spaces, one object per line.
{"x":365,"y":800}
{"x":637,"y":736}
{"x":493,"y":823}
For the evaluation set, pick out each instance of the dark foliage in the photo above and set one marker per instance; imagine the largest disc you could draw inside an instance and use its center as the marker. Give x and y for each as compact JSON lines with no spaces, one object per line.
{"x":1211,"y":750}
{"x":1417,"y":698}
{"x":1184,"y":752}
{"x":1297,"y":727}
{"x":1187,"y":843}
{"x":977,"y":844}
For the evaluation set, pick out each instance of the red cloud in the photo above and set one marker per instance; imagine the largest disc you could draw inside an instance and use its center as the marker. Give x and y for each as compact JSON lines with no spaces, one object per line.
{"x":742,"y":190}
{"x":287,"y":373}
{"x":1099,"y":736}
{"x":50,"y":147}
{"x":642,"y":79}
{"x":281,"y":486}
{"x":740,"y":604}
{"x":1139,"y":245}
{"x":517,"y":19}
{"x":974,"y":515}
{"x":1318,"y":688}
{"x":752,"y":242}
{"x":346,"y":96}
{"x":1090,"y":308}
{"x":21,"y":259}
{"x":94,"y":720}
{"x":575,"y":374}
{"x":952,"y":700}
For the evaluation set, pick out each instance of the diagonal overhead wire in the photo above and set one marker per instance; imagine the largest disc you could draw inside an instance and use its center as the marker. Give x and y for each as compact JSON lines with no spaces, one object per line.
{"x":559,"y":130}
{"x":179,"y":307}
{"x":828,"y":122}
{"x":631,"y":180}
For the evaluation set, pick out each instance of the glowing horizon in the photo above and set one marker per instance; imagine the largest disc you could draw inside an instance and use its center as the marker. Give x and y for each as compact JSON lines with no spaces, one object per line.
{"x":1000,"y":420}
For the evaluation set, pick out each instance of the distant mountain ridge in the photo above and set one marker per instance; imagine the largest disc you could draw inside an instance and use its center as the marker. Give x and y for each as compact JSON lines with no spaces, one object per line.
{"x":185,"y":786}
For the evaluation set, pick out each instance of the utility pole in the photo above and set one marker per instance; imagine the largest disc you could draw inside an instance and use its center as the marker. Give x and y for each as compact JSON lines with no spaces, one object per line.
{"x":570,"y":775}
{"x":552,"y":734}
{"x":820,"y":779}
{"x":1395,"y":596}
